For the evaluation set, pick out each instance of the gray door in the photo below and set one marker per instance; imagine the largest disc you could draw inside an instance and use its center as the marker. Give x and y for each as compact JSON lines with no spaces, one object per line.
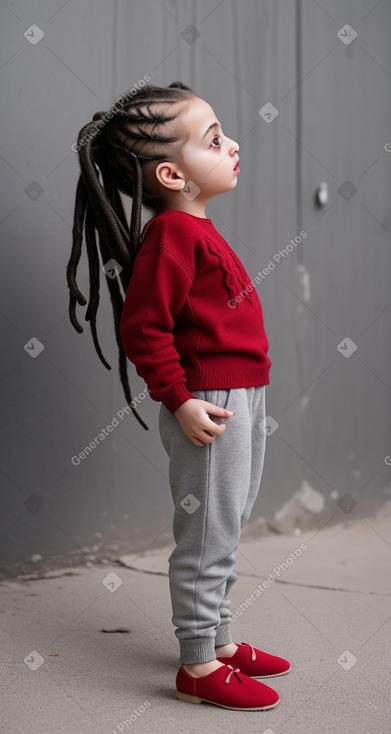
{"x":330,"y":295}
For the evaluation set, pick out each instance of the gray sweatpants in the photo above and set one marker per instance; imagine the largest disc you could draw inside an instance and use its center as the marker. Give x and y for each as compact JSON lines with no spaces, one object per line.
{"x":213,"y":488}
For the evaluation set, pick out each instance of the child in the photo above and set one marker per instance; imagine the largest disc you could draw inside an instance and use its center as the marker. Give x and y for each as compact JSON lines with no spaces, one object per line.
{"x":194,"y":331}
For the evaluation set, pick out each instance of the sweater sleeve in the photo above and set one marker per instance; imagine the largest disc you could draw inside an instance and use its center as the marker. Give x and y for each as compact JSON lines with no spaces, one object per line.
{"x":157,"y":291}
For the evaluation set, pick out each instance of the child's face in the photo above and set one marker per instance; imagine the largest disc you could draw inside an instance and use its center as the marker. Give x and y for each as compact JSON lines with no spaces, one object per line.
{"x":207,"y":158}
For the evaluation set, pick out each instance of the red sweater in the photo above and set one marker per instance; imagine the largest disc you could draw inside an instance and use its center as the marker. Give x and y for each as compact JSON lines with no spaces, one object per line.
{"x":187,"y":321}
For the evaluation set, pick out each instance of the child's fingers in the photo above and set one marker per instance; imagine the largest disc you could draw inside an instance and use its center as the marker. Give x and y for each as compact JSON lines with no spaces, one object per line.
{"x":217,"y":429}
{"x":216,"y":410}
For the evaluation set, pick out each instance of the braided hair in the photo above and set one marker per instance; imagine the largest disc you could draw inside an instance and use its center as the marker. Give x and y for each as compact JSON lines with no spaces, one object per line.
{"x":118,"y":144}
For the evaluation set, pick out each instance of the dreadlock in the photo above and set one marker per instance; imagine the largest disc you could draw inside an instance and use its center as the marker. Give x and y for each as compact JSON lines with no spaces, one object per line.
{"x":110,"y":145}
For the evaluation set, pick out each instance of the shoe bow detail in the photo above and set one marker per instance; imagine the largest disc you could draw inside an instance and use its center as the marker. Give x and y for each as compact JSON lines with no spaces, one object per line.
{"x":253,"y":653}
{"x":233,"y":670}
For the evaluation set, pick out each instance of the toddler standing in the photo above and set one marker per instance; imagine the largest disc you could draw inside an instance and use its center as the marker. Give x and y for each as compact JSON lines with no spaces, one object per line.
{"x":192,"y":325}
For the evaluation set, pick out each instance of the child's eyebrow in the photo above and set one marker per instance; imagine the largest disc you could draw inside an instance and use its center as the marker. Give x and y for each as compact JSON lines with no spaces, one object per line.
{"x":214,"y":124}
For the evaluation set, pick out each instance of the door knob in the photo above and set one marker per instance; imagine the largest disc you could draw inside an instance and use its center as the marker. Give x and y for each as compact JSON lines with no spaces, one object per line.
{"x":322,"y":194}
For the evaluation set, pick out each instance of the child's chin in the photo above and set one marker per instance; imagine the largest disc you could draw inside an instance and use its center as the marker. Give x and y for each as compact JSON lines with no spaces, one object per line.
{"x":232,"y":185}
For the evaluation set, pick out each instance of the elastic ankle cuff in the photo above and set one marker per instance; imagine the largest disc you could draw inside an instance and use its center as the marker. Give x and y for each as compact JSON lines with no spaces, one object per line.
{"x":223,"y":635}
{"x":197,"y":650}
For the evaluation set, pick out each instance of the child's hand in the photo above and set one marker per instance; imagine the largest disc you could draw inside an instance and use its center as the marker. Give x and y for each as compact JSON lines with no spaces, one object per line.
{"x":195,"y":422}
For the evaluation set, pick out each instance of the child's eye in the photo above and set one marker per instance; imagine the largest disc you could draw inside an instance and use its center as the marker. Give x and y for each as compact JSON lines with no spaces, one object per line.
{"x":217,"y":137}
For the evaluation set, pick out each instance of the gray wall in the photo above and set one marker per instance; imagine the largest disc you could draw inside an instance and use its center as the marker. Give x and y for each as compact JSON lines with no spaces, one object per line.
{"x":333,"y":411}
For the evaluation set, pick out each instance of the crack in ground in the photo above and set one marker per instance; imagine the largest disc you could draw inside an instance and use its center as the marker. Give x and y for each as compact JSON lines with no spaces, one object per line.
{"x":162,"y":573}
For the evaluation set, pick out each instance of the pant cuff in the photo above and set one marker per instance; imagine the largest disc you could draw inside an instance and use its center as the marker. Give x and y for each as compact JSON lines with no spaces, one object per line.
{"x":197,"y":650}
{"x":223,"y":635}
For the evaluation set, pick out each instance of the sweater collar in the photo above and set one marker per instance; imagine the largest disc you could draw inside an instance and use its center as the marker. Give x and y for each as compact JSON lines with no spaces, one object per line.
{"x":166,"y":212}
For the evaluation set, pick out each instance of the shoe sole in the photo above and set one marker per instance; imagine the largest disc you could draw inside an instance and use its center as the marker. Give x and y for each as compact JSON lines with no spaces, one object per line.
{"x":274,"y":675}
{"x":197,"y":699}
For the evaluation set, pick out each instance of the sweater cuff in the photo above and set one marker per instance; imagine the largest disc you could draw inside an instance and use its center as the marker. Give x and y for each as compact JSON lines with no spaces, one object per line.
{"x":174,"y":399}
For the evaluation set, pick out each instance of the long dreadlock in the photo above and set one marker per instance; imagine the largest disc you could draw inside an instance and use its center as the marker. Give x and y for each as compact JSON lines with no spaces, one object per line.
{"x":107,"y":145}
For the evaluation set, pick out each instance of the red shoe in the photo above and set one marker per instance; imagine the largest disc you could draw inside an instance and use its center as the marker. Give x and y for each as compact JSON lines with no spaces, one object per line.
{"x":255,"y":663}
{"x":228,"y":687}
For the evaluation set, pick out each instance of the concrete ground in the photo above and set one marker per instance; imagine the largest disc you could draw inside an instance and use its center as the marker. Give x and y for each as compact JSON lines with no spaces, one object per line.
{"x":94,"y":650}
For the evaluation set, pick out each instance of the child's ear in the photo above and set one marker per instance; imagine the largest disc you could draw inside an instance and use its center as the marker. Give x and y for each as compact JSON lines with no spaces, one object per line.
{"x":169,"y":176}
